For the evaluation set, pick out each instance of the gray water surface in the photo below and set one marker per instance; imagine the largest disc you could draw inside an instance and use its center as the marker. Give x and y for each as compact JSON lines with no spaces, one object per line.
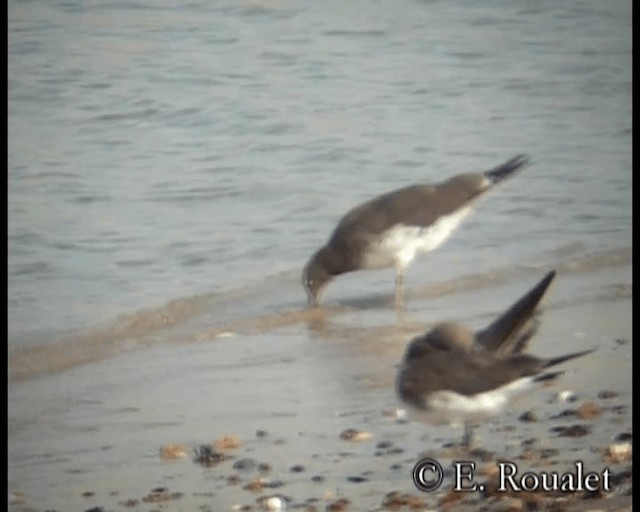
{"x":162,"y":151}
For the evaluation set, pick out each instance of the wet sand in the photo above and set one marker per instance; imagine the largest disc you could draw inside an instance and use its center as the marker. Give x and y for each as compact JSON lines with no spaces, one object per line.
{"x":287,"y":386}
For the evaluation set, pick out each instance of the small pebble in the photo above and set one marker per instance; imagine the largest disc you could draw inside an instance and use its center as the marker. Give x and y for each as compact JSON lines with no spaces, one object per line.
{"x":88,"y":494}
{"x":338,"y":505}
{"x":588,"y":411}
{"x":206,"y":456}
{"x":623,"y":437}
{"x":261,"y":433}
{"x":233,"y":480}
{"x":263,"y":467}
{"x":275,"y":502}
{"x":298,"y":468}
{"x":173,"y":451}
{"x":356,"y":479}
{"x":227,"y":443}
{"x":606,"y":394}
{"x":245,"y":464}
{"x":354,"y":435}
{"x":528,"y":417}
{"x":566,"y":396}
{"x":317,"y":478}
{"x":620,"y":452}
{"x":398,"y":501}
{"x":572,"y":431}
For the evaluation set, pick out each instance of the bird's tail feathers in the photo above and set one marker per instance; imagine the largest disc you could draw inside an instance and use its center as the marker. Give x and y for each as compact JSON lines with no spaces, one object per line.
{"x":509,"y":333}
{"x":507,"y":169}
{"x":568,"y":357}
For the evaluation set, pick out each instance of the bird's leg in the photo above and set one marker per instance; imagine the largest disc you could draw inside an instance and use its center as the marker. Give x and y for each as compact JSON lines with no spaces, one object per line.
{"x":399,"y":286}
{"x":467,"y":438}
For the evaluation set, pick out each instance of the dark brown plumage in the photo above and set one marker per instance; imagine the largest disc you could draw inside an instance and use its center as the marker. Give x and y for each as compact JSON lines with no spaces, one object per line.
{"x":389,"y":230}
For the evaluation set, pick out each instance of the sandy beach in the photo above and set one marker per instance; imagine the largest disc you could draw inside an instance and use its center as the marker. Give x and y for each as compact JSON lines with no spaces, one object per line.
{"x":285,"y":389}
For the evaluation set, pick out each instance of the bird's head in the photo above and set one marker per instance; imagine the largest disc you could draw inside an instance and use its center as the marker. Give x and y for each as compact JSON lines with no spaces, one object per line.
{"x":315,"y":277}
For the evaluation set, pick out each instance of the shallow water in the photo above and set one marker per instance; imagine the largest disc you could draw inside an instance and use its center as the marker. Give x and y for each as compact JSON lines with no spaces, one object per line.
{"x":183,"y":152}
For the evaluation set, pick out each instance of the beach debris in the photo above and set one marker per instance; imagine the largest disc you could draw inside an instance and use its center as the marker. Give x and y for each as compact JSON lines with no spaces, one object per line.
{"x":233,"y":480}
{"x":227,"y":443}
{"x":572,"y":431}
{"x":206,"y":456}
{"x":257,"y":484}
{"x":297,"y":468}
{"x":263,"y":467}
{"x":623,"y":437}
{"x":606,"y":394}
{"x":245,"y":464}
{"x":226,"y":334}
{"x":528,"y":417}
{"x":160,"y":495}
{"x":130,"y":503}
{"x":273,"y":502}
{"x":588,"y":411}
{"x":396,"y":500}
{"x":619,"y":452}
{"x":173,"y":451}
{"x":356,"y":436}
{"x":395,"y":413}
{"x":566,"y":396}
{"x":338,"y":505}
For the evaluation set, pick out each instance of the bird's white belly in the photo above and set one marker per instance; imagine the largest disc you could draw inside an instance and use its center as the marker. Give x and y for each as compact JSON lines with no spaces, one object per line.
{"x":400,"y":244}
{"x":449,"y":407}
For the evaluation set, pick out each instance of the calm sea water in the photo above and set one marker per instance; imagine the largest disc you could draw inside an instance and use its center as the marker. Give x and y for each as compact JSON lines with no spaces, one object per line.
{"x":164,"y":151}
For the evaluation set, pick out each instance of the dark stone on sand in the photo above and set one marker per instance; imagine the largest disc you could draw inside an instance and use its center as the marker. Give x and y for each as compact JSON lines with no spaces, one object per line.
{"x":273,"y":484}
{"x":529,"y":442}
{"x":622,"y":341}
{"x":357,"y":479}
{"x":567,"y":413}
{"x":338,"y":505}
{"x":607,"y":394}
{"x":482,"y":454}
{"x":382,"y":445}
{"x":88,"y":494}
{"x":233,"y":480}
{"x":263,"y":467}
{"x":205,"y":455}
{"x":261,"y":433}
{"x":572,"y":431}
{"x":298,"y":468}
{"x":395,"y":500}
{"x":95,"y":509}
{"x":547,"y":453}
{"x":317,"y":478}
{"x":528,"y":417}
{"x":161,"y":494}
{"x":395,"y":467}
{"x":245,"y":464}
{"x":624,"y":436}
{"x":129,"y":503}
